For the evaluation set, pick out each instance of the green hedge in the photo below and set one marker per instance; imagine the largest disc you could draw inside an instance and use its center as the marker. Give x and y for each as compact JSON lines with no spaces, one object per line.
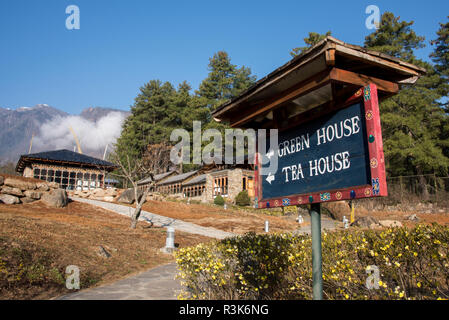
{"x":413,"y":264}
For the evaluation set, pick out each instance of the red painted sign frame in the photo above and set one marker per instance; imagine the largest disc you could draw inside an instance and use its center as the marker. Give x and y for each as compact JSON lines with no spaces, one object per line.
{"x":378,"y":186}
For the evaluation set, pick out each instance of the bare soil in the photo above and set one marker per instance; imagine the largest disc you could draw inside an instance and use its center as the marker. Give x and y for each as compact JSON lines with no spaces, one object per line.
{"x":230,"y":220}
{"x":37,"y":243}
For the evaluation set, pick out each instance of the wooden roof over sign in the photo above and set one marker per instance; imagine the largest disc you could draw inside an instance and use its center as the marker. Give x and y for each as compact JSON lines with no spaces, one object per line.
{"x":320,"y":78}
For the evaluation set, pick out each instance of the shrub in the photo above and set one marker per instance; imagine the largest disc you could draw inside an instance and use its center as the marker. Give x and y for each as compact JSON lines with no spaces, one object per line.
{"x":219,"y":201}
{"x":243,"y":199}
{"x":413,"y":264}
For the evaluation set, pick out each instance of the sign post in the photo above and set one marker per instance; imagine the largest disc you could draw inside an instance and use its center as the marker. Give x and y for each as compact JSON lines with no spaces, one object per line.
{"x":317,"y":273}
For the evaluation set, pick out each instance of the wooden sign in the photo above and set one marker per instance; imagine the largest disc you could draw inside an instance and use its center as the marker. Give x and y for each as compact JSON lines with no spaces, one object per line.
{"x":338,"y":156}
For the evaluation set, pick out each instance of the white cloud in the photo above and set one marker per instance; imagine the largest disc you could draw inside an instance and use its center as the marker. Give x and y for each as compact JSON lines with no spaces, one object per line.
{"x":93,"y":137}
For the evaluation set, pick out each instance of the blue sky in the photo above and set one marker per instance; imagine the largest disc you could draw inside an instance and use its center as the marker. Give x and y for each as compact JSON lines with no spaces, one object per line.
{"x":123,"y":44}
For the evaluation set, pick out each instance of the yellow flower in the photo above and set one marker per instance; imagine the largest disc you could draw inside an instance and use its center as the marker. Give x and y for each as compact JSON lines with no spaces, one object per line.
{"x":419,"y":284}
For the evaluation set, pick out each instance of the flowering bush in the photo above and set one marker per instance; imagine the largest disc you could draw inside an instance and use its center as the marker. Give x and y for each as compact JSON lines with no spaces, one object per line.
{"x":411,"y":264}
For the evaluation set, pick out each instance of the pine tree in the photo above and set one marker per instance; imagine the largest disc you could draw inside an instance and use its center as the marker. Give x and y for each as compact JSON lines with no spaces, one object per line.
{"x":410,"y":119}
{"x":153,"y":115}
{"x":440,"y":57}
{"x":224,"y":81}
{"x":312,"y":40}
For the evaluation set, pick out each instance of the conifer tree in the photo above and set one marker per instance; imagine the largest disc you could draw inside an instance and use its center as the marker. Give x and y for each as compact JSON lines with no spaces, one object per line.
{"x":310,"y":41}
{"x":410,"y":119}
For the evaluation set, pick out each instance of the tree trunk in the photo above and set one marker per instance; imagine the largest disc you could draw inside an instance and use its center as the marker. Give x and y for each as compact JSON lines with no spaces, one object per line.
{"x":139,"y":204}
{"x":422,"y":185}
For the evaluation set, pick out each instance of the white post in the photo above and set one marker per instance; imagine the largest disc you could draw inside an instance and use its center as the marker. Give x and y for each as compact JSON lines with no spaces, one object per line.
{"x":266,"y":226}
{"x":170,"y":241}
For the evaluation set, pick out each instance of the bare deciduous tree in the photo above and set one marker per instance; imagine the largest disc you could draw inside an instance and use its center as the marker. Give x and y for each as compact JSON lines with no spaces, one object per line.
{"x":155,"y":160}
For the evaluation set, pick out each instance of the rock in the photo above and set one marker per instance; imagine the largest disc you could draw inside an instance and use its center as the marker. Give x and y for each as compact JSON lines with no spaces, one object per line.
{"x":127,"y":196}
{"x":108,"y":199}
{"x":20,"y":184}
{"x":42,"y":186}
{"x":366,"y":222}
{"x":1,"y":180}
{"x":111,"y":192}
{"x":53,"y":185}
{"x":413,"y":217}
{"x":12,"y":191}
{"x":338,"y":209}
{"x":36,"y":195}
{"x":27,"y":200}
{"x":102,"y":252}
{"x":55,"y":198}
{"x":390,"y":223}
{"x":9,"y":199}
{"x":98,"y":192}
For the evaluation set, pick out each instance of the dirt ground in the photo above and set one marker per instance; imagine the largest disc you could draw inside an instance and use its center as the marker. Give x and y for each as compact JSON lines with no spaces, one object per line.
{"x":56,"y":238}
{"x":426,"y":218}
{"x":230,"y":220}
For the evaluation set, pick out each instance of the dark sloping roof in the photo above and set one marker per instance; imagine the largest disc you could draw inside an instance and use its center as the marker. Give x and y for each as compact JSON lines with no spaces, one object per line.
{"x":157,"y":177}
{"x":197,"y":180}
{"x":178,"y":178}
{"x":63,"y":157}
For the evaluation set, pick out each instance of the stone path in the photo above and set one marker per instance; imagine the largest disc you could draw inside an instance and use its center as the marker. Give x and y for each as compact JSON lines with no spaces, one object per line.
{"x":158,"y":220}
{"x":155,"y":284}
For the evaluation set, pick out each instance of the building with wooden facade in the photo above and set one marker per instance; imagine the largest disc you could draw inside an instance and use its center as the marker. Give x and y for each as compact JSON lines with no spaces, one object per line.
{"x":206,"y":183}
{"x":71,"y":170}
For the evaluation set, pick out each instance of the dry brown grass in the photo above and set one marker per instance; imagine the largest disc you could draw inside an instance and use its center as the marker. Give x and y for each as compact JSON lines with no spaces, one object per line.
{"x":71,"y":236}
{"x":231,"y":220}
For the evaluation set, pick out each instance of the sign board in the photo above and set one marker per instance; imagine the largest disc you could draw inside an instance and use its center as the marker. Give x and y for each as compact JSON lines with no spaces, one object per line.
{"x":338,"y":156}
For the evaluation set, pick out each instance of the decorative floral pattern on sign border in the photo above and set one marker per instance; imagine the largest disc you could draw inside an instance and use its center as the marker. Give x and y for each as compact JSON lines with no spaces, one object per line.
{"x":373,"y":163}
{"x":286,"y":202}
{"x":325,"y":196}
{"x":367,"y":192}
{"x":338,"y":195}
{"x":369,"y":115}
{"x":376,"y":186}
{"x":367,"y":93}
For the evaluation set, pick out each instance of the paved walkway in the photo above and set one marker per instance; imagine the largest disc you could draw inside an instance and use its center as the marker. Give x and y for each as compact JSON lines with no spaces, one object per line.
{"x":158,"y":220}
{"x":155,"y":284}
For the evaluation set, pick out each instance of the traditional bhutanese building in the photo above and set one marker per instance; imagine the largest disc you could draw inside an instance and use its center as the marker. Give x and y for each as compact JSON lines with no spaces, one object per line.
{"x":71,"y":170}
{"x":206,"y":183}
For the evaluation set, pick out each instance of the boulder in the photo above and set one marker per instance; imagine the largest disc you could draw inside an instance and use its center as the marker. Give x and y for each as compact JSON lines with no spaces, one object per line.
{"x":1,"y":180}
{"x":36,"y":195}
{"x":108,"y":199}
{"x":101,"y":251}
{"x":413,"y":217}
{"x":127,"y":196}
{"x":55,"y":198}
{"x":12,"y":191}
{"x":338,"y":209}
{"x":366,"y":222}
{"x":390,"y":223}
{"x":98,"y":192}
{"x":9,"y":199}
{"x":111,"y":192}
{"x":53,"y":185}
{"x":42,"y":186}
{"x":27,"y":200}
{"x":20,"y":184}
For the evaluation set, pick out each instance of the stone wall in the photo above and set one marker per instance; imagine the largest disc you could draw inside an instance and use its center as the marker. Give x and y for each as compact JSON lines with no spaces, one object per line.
{"x":17,"y":190}
{"x":109,"y":195}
